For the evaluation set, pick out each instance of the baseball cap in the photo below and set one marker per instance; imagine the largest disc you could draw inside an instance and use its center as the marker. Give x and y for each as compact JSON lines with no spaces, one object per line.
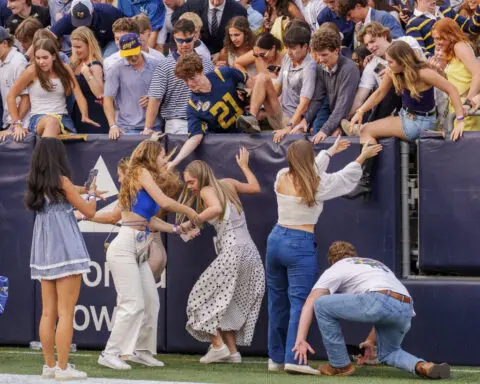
{"x":81,"y":13}
{"x":130,"y":45}
{"x":3,"y":34}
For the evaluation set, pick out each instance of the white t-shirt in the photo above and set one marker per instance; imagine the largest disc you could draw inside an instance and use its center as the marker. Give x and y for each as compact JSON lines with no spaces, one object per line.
{"x":359,"y":275}
{"x":370,"y":79}
{"x":167,"y":27}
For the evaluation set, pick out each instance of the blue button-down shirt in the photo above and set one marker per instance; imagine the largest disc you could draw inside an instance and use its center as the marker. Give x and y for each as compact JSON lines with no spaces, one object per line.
{"x":154,"y":9}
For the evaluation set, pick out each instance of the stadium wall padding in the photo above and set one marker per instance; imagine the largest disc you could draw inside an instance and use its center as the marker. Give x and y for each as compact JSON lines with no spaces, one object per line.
{"x":449,"y":203}
{"x":443,"y":330}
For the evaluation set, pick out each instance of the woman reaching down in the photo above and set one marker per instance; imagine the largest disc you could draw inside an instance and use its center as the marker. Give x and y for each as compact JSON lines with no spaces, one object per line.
{"x":224,"y":303}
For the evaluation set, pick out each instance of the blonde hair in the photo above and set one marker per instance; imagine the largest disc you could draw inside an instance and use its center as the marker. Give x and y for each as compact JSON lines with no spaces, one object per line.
{"x":145,"y":157}
{"x":201,"y":171}
{"x":86,"y":36}
{"x":409,"y":78}
{"x":301,"y":163}
{"x":193,"y":17}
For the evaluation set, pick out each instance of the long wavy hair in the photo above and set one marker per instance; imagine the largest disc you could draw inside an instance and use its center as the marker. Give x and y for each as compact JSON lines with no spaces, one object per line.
{"x":281,"y":8}
{"x":145,"y":157}
{"x":201,"y":171}
{"x":449,"y":30}
{"x":49,"y":164}
{"x":240,"y":23}
{"x":86,"y":36}
{"x":409,"y":78}
{"x":57,"y":67}
{"x":302,"y":168}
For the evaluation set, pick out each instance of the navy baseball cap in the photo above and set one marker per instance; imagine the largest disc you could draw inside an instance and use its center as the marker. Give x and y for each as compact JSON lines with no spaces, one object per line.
{"x":130,"y":45}
{"x":81,"y":11}
{"x":4,"y":35}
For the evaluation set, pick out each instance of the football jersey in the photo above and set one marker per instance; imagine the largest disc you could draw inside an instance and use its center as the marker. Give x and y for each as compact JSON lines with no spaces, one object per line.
{"x":216,"y":111}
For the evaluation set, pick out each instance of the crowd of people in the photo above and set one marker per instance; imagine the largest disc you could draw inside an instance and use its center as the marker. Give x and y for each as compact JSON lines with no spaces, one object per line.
{"x":319,"y":67}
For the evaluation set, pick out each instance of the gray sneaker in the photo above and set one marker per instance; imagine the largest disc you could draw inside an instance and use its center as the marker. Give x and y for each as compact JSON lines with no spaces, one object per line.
{"x":215,"y":355}
{"x":248,"y":124}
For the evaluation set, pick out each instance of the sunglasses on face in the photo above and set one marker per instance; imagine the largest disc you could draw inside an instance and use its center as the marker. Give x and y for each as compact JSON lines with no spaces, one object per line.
{"x":262,"y":54}
{"x":187,"y":40}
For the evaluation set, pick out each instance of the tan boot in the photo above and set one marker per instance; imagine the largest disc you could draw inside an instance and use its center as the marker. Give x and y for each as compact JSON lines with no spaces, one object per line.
{"x":433,"y":371}
{"x":328,"y":370}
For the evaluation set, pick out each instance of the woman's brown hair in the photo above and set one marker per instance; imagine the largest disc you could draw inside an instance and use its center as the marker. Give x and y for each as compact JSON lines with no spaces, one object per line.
{"x":240,"y":23}
{"x":409,"y":78}
{"x":301,"y":161}
{"x":145,"y":157}
{"x":58,"y":67}
{"x":449,"y":30}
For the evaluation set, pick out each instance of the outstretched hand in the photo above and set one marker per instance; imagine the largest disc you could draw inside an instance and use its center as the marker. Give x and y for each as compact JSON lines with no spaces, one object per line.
{"x":338,"y":146}
{"x":243,"y":157}
{"x":301,"y":348}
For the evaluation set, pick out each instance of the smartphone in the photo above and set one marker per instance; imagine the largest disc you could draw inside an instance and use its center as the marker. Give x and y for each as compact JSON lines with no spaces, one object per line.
{"x":379,"y":68}
{"x":274,"y":68}
{"x":91,"y":176}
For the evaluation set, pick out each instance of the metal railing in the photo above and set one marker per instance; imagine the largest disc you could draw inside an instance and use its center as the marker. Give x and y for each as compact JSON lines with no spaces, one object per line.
{"x":451,"y":118}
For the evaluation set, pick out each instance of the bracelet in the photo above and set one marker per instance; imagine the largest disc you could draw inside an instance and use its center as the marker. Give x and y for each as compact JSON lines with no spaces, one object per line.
{"x":468,"y":103}
{"x":84,"y":218}
{"x":328,"y":154}
{"x":90,"y":195}
{"x":175,"y":228}
{"x":460,"y":118}
{"x":113,"y":125}
{"x":17,"y":122}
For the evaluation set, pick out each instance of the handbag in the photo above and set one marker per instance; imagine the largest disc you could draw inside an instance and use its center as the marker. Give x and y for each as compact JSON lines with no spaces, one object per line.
{"x":107,"y":241}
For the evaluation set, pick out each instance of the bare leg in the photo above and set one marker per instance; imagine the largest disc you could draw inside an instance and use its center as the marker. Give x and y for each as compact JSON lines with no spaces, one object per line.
{"x":230,"y":340}
{"x":48,"y":126}
{"x":48,"y":321}
{"x":68,"y":290}
{"x":264,"y":93}
{"x":217,"y":340}
{"x":390,"y":126}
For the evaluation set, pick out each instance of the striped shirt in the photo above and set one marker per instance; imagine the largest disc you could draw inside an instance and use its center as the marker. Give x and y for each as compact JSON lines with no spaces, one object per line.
{"x":420,"y":26}
{"x":172,"y":91}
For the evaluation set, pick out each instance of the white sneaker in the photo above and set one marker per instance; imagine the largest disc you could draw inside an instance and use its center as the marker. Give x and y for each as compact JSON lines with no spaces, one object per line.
{"x":274,"y":367}
{"x":304,"y":369}
{"x":49,"y":373}
{"x":233,"y":358}
{"x":112,"y":361}
{"x":215,"y":355}
{"x":69,"y":373}
{"x":145,"y":358}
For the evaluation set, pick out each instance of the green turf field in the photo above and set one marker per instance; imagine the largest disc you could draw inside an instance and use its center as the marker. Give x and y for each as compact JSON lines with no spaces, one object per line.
{"x":187,"y":368}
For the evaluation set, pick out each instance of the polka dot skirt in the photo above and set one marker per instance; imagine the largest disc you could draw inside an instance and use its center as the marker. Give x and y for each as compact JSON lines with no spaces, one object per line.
{"x":229,"y":293}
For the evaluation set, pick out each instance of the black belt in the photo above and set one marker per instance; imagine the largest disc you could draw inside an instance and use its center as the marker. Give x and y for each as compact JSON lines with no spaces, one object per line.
{"x":433,"y":112}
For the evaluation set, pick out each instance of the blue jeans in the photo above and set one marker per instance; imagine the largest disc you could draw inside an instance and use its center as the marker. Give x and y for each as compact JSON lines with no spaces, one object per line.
{"x":322,"y":116}
{"x":414,"y":125}
{"x":291,"y":271}
{"x":390,"y":317}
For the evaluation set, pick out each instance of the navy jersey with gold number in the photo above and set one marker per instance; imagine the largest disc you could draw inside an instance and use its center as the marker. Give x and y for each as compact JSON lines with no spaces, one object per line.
{"x":217,"y":110}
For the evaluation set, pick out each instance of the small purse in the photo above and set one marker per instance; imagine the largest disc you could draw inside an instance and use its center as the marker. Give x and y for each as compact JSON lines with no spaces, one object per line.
{"x":107,"y":241}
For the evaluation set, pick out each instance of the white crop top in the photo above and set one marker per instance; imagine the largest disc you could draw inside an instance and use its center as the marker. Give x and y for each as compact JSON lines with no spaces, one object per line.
{"x":44,"y":102}
{"x":291,"y":209}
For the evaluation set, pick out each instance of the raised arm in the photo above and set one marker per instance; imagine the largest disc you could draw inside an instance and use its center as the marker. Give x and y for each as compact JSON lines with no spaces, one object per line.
{"x":252,"y":185}
{"x":86,"y":208}
{"x":190,"y":145}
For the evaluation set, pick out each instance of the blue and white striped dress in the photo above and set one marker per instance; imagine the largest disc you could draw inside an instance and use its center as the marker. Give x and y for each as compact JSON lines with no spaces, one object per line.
{"x":58,"y":248}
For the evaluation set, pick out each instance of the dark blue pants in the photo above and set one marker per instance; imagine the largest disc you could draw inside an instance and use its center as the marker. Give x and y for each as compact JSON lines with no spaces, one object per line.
{"x":291,"y":271}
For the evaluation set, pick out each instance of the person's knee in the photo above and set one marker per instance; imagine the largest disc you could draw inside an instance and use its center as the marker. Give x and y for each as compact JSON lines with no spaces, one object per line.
{"x":52,"y":126}
{"x":320,"y":306}
{"x":49,"y":314}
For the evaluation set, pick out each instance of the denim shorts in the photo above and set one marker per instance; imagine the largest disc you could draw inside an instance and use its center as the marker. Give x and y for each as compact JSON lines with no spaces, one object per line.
{"x":66,"y":121}
{"x":413,"y":125}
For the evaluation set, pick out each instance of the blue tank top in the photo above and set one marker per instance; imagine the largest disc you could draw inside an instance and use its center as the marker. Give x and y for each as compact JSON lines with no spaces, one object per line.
{"x":144,"y":205}
{"x":425,"y":104}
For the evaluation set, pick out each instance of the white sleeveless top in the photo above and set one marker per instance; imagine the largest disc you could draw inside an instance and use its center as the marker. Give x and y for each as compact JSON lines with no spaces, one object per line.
{"x":291,"y":209}
{"x":43,"y":102}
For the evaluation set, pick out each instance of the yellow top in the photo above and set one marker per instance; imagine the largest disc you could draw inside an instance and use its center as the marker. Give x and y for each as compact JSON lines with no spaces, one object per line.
{"x":461,"y":78}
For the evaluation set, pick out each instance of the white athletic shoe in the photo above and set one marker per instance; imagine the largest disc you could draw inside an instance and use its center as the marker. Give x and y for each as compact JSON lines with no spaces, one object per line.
{"x":304,"y":369}
{"x":112,"y":361}
{"x":145,"y":358}
{"x":274,"y":367}
{"x":215,"y":355}
{"x":69,"y":373}
{"x":233,"y":358}
{"x":49,"y":373}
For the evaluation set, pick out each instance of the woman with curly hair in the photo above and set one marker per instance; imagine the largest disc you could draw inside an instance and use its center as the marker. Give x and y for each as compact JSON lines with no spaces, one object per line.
{"x":147,"y":186}
{"x":280,"y":9}
{"x":462,"y":67}
{"x":239,"y":40}
{"x":224,"y":303}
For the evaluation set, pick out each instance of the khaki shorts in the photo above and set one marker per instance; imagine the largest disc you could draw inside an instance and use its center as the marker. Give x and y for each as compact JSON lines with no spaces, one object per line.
{"x":278,"y":121}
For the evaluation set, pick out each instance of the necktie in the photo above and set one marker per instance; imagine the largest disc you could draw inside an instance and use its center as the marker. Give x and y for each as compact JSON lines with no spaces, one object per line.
{"x":214,"y":23}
